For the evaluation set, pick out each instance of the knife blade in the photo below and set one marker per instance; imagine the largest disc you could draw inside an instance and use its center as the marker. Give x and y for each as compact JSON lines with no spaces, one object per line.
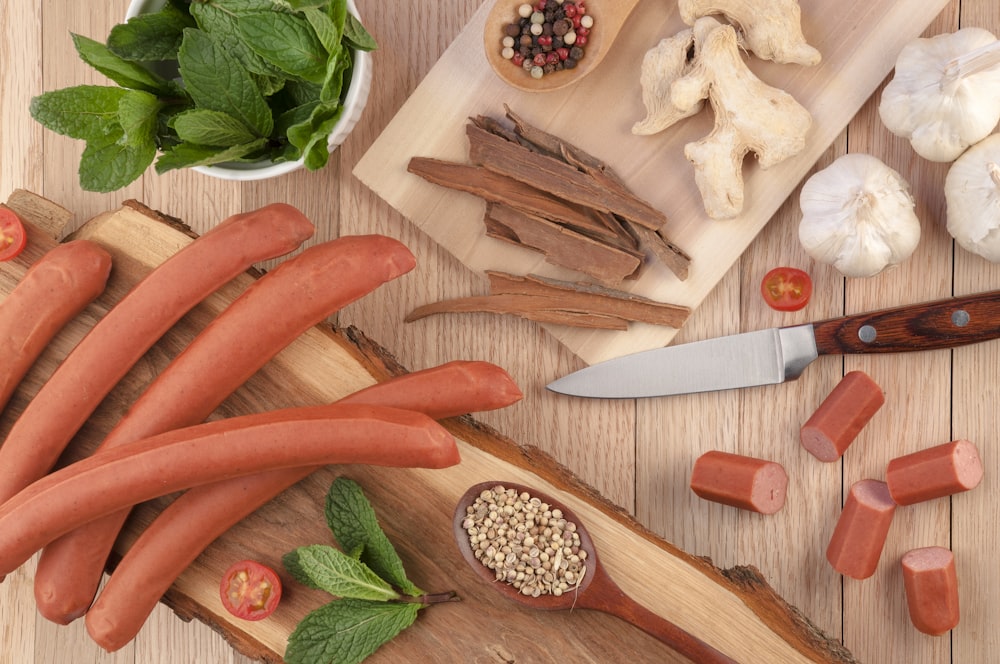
{"x":776,"y":355}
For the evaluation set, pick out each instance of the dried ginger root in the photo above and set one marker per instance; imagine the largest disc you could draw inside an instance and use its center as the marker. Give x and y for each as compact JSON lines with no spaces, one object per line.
{"x":772,"y":29}
{"x":750,"y":116}
{"x":663,"y":64}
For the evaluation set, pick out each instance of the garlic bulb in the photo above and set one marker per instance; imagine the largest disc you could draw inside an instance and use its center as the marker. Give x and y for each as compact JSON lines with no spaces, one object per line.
{"x":972,"y":194}
{"x":857,"y":215}
{"x":945,"y":94}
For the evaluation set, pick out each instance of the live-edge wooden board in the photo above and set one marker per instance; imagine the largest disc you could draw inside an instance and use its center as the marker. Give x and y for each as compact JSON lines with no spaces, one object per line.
{"x":859,"y":41}
{"x":734,"y":610}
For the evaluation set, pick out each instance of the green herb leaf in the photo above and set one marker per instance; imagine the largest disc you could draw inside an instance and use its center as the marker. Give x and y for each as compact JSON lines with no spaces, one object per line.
{"x":137,"y":114}
{"x":357,"y":36}
{"x":347,"y":631}
{"x":327,"y":28}
{"x":311,"y":137}
{"x":184,"y":155}
{"x":333,"y":85}
{"x":326,"y":568}
{"x":110,"y":163}
{"x":287,"y":41}
{"x":216,"y":81}
{"x":150,"y":37}
{"x":86,"y":112}
{"x":124,"y":73}
{"x":211,"y":128}
{"x":355,"y":527}
{"x":220,"y":20}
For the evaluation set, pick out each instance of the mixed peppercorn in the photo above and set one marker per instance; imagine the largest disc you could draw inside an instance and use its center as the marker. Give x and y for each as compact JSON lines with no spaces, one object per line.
{"x":548,"y":36}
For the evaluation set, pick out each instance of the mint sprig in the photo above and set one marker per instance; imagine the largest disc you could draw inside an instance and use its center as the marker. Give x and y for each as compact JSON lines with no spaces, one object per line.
{"x":376,"y":599}
{"x":227,"y":80}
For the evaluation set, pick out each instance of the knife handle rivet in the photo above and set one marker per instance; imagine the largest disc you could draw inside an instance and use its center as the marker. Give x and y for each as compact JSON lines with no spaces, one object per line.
{"x":960,"y":318}
{"x":867,"y":333}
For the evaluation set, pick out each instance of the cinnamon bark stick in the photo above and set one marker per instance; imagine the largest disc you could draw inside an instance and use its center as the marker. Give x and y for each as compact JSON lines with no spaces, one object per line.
{"x":557,"y":177}
{"x":561,"y":245}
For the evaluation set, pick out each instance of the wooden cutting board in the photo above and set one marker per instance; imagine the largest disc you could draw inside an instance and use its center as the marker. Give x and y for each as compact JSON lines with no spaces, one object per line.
{"x":733,"y":610}
{"x":859,"y":41}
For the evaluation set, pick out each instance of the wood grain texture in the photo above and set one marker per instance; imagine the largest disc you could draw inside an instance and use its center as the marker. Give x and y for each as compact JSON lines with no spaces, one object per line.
{"x":637,"y":455}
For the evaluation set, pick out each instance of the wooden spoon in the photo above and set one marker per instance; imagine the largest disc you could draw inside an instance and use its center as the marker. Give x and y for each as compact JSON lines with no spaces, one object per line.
{"x":609,"y":17}
{"x":597,"y":591}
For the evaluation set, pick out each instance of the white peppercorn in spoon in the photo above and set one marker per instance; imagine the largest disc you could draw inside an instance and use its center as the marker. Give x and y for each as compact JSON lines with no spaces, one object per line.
{"x":589,"y":588}
{"x":608,"y":17}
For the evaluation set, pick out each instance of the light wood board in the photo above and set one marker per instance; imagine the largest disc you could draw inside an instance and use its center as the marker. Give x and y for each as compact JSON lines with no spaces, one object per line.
{"x":859,"y":40}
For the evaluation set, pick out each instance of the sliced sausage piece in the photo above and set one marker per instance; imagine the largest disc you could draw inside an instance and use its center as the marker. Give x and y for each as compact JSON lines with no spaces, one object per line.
{"x":118,"y":478}
{"x":931,"y":589}
{"x":270,"y":314}
{"x":859,"y":536}
{"x":131,"y":327}
{"x":840,"y":417}
{"x":936,"y":472}
{"x":740,"y":481}
{"x":52,"y":292}
{"x":168,"y":545}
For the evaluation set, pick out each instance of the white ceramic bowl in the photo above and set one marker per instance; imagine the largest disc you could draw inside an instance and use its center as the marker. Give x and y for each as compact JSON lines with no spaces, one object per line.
{"x":354,"y":104}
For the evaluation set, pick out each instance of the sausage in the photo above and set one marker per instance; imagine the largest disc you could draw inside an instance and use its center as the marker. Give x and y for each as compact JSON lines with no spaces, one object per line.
{"x":832,"y":428}
{"x":275,"y":310}
{"x":931,"y":585}
{"x":195,"y":519}
{"x":131,"y":327}
{"x":859,"y":536}
{"x":118,"y":478}
{"x":52,"y":292}
{"x":740,"y":481}
{"x":936,"y":472}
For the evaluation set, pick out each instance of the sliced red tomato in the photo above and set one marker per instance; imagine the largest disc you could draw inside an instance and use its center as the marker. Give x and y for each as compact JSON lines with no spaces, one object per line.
{"x":786,"y":288}
{"x":13,"y":238}
{"x":250,"y":590}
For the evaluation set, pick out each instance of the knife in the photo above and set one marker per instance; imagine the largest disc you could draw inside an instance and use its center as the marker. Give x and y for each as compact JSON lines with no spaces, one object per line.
{"x":776,"y":355}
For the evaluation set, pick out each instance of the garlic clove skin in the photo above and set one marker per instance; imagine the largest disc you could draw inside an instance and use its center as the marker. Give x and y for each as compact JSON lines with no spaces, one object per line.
{"x":972,"y":196}
{"x":858,"y":216}
{"x":937,"y":108}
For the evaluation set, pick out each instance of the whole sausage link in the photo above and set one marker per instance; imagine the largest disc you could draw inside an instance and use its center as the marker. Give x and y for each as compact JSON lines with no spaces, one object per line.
{"x":116,"y":479}
{"x":196,"y":518}
{"x":131,"y":327}
{"x":54,"y":290}
{"x":269,"y":315}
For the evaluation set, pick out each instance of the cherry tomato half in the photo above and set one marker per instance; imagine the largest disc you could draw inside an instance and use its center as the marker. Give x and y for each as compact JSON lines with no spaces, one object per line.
{"x":13,"y":238}
{"x":786,"y":288}
{"x":250,"y":590}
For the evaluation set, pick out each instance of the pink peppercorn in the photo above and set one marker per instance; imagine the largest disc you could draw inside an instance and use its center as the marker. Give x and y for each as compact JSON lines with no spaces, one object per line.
{"x":544,"y":40}
{"x":517,"y":59}
{"x":562,"y":52}
{"x":540,"y":59}
{"x":581,"y":40}
{"x":570,"y":10}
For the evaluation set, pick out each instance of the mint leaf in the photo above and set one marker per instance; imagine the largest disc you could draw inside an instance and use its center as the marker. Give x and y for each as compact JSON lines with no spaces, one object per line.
{"x":215,"y":80}
{"x":184,"y":155}
{"x":150,"y":37}
{"x":287,"y":41}
{"x":124,"y":73}
{"x":326,"y":26}
{"x":333,"y":85}
{"x":111,"y":163}
{"x":86,"y":112}
{"x":211,"y":128}
{"x":220,"y":20}
{"x":326,"y":568}
{"x":137,"y":114}
{"x":355,"y":527}
{"x":357,"y":36}
{"x":312,"y":137}
{"x":347,"y":631}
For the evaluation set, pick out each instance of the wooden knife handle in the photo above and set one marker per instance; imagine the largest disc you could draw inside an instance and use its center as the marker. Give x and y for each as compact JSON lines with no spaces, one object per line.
{"x":928,"y":326}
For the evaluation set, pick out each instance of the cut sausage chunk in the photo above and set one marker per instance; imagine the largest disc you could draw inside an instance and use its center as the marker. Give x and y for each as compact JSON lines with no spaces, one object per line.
{"x":839,"y":419}
{"x":931,"y":585}
{"x":859,"y":536}
{"x":740,"y":481}
{"x":936,"y":472}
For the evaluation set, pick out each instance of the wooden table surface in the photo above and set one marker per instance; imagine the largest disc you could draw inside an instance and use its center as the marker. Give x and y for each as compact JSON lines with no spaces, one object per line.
{"x":638,"y":454}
